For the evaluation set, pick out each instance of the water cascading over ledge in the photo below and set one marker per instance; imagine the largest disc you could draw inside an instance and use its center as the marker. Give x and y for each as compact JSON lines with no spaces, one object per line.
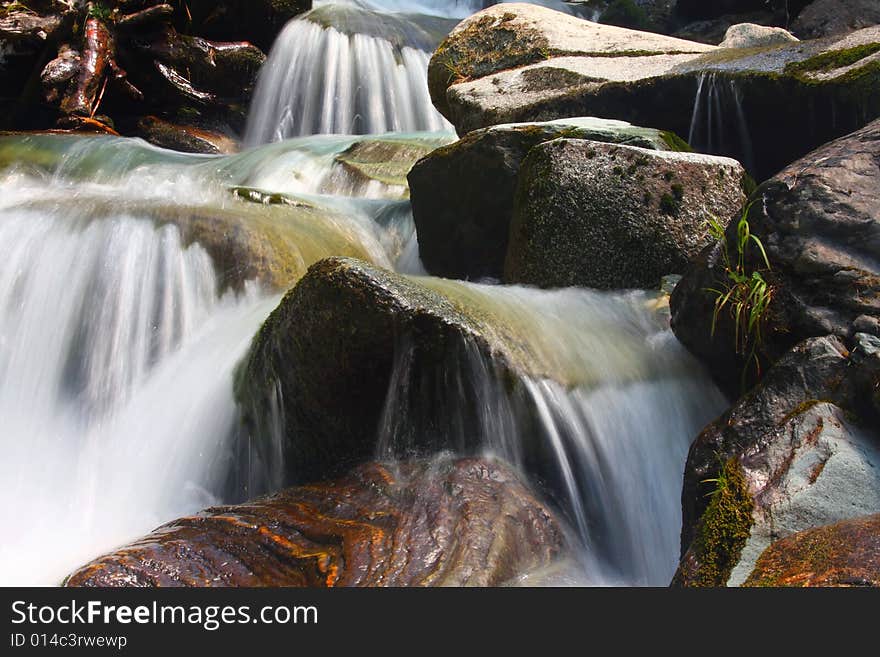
{"x":345,"y":70}
{"x":587,"y":393}
{"x":132,"y":282}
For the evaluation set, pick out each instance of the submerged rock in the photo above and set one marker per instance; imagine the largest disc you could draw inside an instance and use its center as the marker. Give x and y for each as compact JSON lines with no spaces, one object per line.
{"x":843,"y":554}
{"x":467,"y":522}
{"x":819,"y":222}
{"x":789,"y":456}
{"x":380,"y":162}
{"x":606,"y":216}
{"x":514,"y":63}
{"x":462,"y":194}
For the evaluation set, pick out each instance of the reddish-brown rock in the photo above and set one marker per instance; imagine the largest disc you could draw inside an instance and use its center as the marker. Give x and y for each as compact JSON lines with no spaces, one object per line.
{"x":444,"y":522}
{"x":843,"y":554}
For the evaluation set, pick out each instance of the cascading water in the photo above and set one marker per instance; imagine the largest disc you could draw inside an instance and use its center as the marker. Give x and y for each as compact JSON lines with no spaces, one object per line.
{"x":121,"y":323}
{"x":349,"y":71}
{"x":718,"y":123}
{"x":355,"y":68}
{"x":118,"y":341}
{"x":609,"y":435}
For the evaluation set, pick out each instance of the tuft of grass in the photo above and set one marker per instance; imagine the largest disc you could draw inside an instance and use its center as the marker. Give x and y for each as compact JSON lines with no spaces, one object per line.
{"x":745,"y":295}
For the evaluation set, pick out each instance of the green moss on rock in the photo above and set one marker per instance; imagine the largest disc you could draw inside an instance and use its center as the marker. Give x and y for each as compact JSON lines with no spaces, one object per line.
{"x":722,"y":532}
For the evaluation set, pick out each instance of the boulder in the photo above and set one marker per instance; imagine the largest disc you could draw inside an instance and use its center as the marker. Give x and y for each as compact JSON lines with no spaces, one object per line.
{"x":607,"y":216}
{"x":791,"y":455}
{"x":514,"y":35}
{"x":466,"y":522}
{"x":378,"y":166}
{"x":336,"y":336}
{"x":824,"y":18}
{"x":463,"y":230}
{"x":515,"y":63}
{"x":749,"y":35}
{"x":819,"y":223}
{"x":843,"y":554}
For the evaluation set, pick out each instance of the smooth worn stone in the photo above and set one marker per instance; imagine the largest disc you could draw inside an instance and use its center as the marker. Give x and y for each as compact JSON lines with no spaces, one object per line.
{"x":465,"y":522}
{"x":514,"y":63}
{"x":789,"y":456}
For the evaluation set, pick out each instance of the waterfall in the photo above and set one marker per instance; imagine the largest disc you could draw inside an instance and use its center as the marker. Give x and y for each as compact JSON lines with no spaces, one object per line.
{"x":347,"y":71}
{"x":718,"y":122}
{"x":610,"y":440}
{"x":118,"y":341}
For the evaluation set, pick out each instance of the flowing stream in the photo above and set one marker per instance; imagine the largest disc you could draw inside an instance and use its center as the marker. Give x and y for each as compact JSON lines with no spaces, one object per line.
{"x":122,"y":318}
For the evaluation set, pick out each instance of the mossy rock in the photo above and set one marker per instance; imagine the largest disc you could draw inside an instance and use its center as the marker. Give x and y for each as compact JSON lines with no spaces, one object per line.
{"x":463,"y":230}
{"x":790,"y":455}
{"x":608,"y":216}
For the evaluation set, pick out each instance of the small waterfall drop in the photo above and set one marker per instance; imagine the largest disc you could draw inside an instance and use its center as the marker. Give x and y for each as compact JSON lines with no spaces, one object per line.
{"x":340,"y":70}
{"x":718,"y":122}
{"x":118,"y":341}
{"x":610,"y":440}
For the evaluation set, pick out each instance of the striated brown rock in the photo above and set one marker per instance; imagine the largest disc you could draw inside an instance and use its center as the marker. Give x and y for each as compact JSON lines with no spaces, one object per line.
{"x":469,"y":522}
{"x":844,"y":554}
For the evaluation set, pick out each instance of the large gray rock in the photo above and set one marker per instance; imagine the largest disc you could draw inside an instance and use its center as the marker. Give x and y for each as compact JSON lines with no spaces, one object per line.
{"x":789,"y":456}
{"x":825,"y":18}
{"x":606,"y":216}
{"x":466,"y":522}
{"x":514,"y":63}
{"x":462,"y":194}
{"x":819,"y":221}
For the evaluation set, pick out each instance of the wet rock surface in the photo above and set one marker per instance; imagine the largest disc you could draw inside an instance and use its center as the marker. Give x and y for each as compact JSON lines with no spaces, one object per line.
{"x":466,"y":522}
{"x":844,"y":554}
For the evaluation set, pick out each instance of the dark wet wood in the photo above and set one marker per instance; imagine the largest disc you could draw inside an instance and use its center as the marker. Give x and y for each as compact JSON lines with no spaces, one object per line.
{"x":97,"y":56}
{"x":465,"y":522}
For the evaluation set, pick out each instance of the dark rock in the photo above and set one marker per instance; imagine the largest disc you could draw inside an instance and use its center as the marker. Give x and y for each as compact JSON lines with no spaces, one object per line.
{"x":259,"y":21}
{"x":463,"y":230}
{"x":788,"y":456}
{"x":332,"y":343}
{"x":825,"y":18}
{"x":188,"y":139}
{"x":469,"y":522}
{"x":843,"y":554}
{"x":524,"y":63}
{"x":606,"y":216}
{"x":819,"y":221}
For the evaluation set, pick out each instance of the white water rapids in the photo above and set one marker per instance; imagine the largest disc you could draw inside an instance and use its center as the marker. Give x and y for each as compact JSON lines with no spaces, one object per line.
{"x":119,"y":337}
